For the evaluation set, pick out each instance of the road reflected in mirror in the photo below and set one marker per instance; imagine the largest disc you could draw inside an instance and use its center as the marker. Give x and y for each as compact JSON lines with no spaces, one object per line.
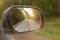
{"x":26,"y":19}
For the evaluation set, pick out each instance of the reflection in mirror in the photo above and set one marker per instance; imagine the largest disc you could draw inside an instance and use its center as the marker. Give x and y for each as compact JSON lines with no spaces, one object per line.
{"x":26,"y":19}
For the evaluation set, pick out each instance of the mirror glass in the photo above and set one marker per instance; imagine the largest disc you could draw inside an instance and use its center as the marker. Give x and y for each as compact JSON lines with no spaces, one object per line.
{"x":26,"y":19}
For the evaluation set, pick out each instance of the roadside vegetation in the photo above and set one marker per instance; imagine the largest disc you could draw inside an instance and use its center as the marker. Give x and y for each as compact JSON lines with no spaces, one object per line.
{"x":51,"y":9}
{"x":51,"y":28}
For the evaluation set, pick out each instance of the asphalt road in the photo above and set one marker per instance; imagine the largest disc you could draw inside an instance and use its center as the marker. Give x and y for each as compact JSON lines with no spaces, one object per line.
{"x":27,"y":24}
{"x":27,"y":36}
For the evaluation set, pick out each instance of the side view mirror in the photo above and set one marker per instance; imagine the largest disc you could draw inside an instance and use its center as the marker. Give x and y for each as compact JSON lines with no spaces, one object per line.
{"x":22,"y":18}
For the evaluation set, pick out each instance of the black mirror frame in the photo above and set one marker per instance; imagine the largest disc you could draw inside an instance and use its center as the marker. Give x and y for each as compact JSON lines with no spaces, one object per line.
{"x":6,"y":19}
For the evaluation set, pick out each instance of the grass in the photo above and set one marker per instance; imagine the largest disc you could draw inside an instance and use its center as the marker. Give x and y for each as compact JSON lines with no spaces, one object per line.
{"x":47,"y":34}
{"x":51,"y":28}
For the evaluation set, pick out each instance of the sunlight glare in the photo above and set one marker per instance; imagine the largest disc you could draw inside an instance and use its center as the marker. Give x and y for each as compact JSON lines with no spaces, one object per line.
{"x":29,"y":10}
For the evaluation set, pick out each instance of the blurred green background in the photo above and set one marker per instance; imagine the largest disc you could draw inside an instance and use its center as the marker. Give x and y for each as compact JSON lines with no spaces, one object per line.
{"x":51,"y":9}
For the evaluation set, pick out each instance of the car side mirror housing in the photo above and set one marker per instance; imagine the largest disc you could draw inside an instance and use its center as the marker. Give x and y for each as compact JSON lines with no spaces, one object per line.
{"x":22,"y":18}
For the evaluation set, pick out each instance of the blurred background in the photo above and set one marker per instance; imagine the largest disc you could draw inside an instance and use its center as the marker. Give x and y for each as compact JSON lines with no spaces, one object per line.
{"x":51,"y":9}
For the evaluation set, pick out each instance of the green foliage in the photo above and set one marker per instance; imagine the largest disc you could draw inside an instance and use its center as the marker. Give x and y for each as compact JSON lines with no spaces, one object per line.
{"x":45,"y":5}
{"x":26,"y":2}
{"x":4,"y":6}
{"x":17,"y":16}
